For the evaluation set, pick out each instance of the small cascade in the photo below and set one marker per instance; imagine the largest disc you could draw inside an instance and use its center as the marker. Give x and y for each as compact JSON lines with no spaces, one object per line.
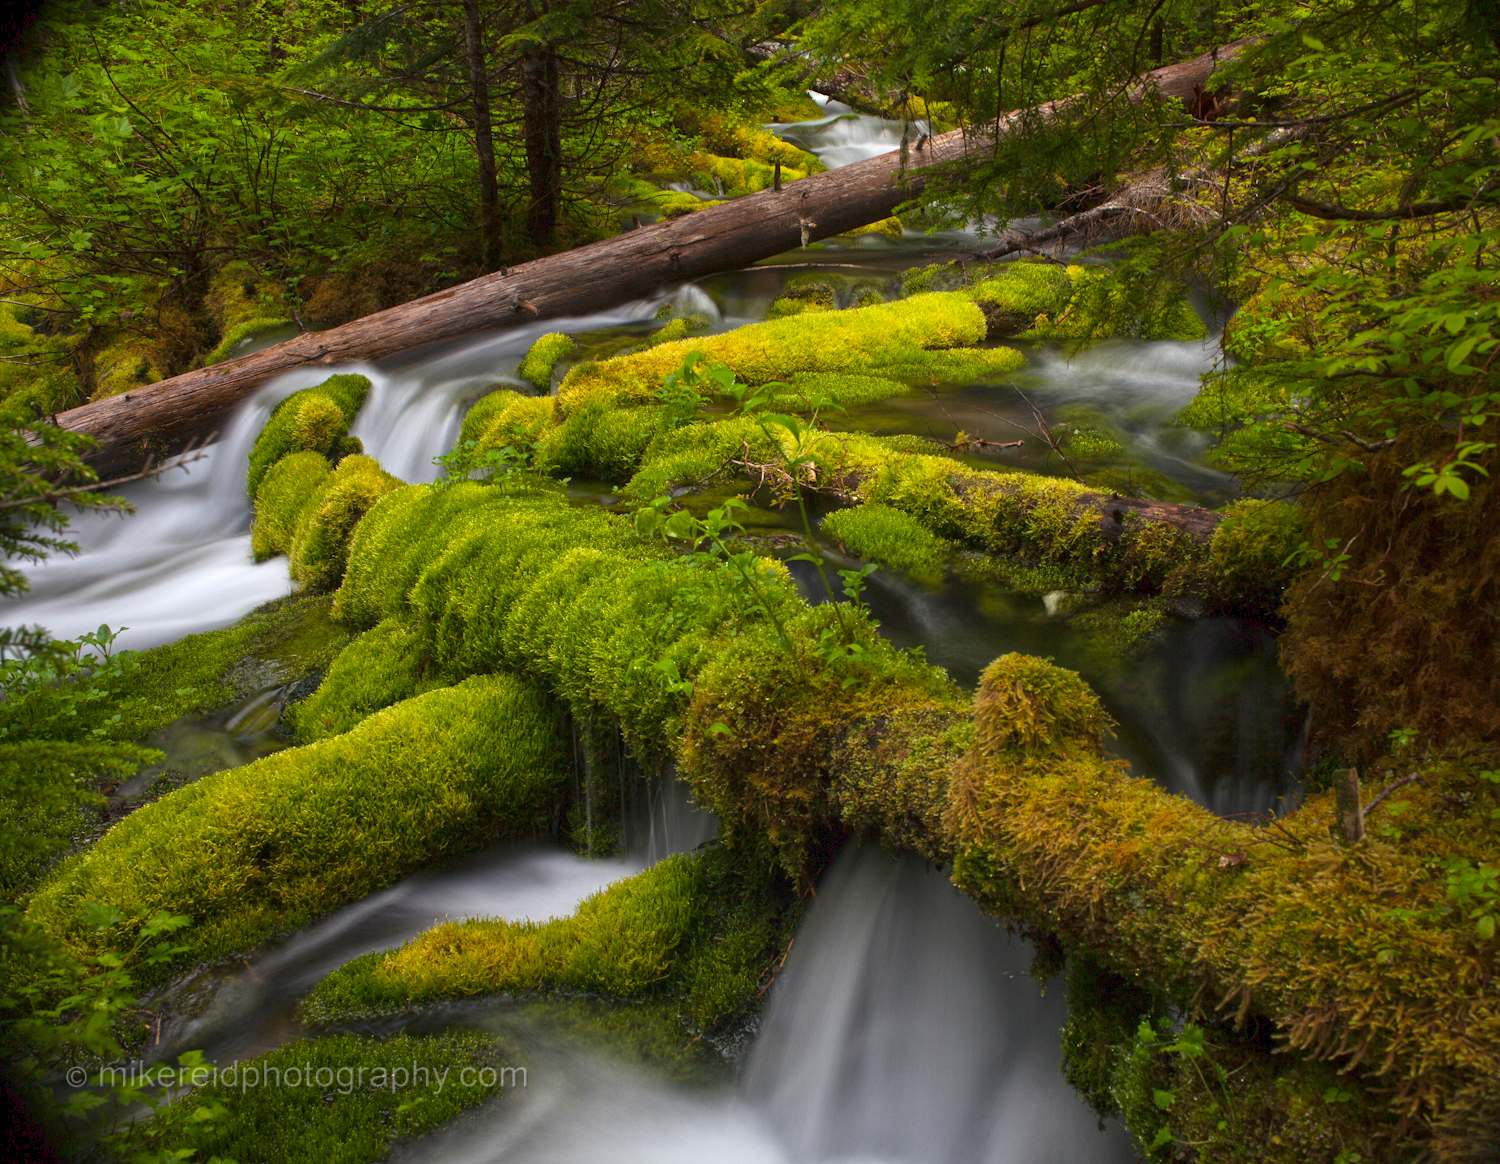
{"x":181,"y":564}
{"x":904,"y":1028}
{"x":844,"y":137}
{"x":660,"y":819}
{"x":690,"y":300}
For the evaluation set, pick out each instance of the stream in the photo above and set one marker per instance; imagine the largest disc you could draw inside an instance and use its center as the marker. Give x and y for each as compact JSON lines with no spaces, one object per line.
{"x":903,"y":1027}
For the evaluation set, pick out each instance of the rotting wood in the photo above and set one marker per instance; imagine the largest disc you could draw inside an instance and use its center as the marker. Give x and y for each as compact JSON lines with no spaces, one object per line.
{"x":164,"y":416}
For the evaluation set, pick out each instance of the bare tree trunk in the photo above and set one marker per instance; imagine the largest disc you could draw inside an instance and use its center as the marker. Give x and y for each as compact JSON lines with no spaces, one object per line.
{"x":541,"y":113}
{"x":166,"y":415}
{"x":484,"y":138}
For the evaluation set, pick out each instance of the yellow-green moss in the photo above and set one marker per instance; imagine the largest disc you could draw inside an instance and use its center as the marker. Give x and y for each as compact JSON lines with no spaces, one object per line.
{"x":891,"y":538}
{"x":542,"y":356}
{"x":262,"y":849}
{"x":885,"y":228}
{"x":314,"y":420}
{"x":847,"y":391}
{"x":378,"y":669}
{"x":507,"y":419}
{"x":320,"y":542}
{"x":837,"y":341}
{"x":284,"y":491}
{"x":599,"y":441}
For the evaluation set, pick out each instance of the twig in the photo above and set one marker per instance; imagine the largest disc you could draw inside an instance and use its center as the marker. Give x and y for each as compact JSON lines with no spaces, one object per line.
{"x":1391,"y":787}
{"x":194,"y":452}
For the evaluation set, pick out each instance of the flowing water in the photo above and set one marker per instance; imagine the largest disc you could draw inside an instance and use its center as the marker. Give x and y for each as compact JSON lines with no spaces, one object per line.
{"x":902,"y":1028}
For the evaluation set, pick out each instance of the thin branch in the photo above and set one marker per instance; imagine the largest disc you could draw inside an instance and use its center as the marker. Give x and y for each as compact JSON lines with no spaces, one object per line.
{"x":1388,"y":789}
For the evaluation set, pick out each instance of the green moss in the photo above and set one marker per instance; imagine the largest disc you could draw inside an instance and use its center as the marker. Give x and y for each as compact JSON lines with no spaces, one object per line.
{"x":542,"y":356}
{"x":891,"y":538}
{"x":340,"y":1099}
{"x":315,"y":419}
{"x":1248,"y":555}
{"x":380,"y":668}
{"x":258,"y":850}
{"x":801,"y":298}
{"x":240,"y":332}
{"x":698,"y":928}
{"x":847,"y":391}
{"x":600,"y":442}
{"x":838,"y":341}
{"x":622,"y":941}
{"x":284,"y":492}
{"x":320,"y":542}
{"x":509,"y":419}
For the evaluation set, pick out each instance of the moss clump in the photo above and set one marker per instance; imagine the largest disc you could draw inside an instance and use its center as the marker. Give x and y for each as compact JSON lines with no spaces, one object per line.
{"x":381,"y":667}
{"x":699,"y":928}
{"x":801,"y":298}
{"x":838,"y":341}
{"x":1248,"y":555}
{"x":599,"y":441}
{"x":283,"y":494}
{"x":507,"y":418}
{"x":314,"y":419}
{"x":340,"y":1099}
{"x":892,"y":538}
{"x":320,"y":542}
{"x":536,"y":366}
{"x":255,"y":851}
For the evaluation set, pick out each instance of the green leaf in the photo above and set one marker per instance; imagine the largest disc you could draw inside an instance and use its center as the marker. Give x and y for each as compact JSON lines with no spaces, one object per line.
{"x":1163,"y":1099}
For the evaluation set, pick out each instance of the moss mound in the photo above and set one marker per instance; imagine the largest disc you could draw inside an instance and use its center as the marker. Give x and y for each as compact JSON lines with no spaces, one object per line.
{"x":262,"y":849}
{"x":313,"y":420}
{"x":891,"y":538}
{"x":380,"y":668}
{"x":320,"y":542}
{"x":284,"y":492}
{"x":834,"y":341}
{"x":536,"y":366}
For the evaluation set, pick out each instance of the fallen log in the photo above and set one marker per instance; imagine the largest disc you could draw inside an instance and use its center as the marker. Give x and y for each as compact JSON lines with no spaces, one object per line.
{"x":162,"y":417}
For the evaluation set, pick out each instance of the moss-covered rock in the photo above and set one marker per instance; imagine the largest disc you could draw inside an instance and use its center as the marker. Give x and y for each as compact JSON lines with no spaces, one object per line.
{"x":380,"y":668}
{"x":313,"y":420}
{"x":536,"y":366}
{"x":699,"y":928}
{"x":320,"y":542}
{"x":284,"y":492}
{"x":256,"y":851}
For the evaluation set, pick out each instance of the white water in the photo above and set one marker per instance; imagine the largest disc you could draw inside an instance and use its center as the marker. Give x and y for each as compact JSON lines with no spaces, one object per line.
{"x":843,"y":137}
{"x":902,"y":1031}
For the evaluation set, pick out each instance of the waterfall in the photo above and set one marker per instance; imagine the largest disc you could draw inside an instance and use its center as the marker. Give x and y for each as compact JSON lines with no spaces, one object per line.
{"x":904,"y":1028}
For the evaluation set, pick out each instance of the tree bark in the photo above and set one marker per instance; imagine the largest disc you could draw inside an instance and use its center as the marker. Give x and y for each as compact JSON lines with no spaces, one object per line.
{"x":484,"y":138}
{"x":541,"y":117}
{"x":165,"y":416}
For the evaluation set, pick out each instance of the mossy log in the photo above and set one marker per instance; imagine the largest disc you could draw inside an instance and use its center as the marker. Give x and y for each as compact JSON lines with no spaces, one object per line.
{"x":165,"y":415}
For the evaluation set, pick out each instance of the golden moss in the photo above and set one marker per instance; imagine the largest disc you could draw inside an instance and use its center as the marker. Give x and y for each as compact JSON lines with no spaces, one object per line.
{"x":1047,"y":830}
{"x":839,"y":341}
